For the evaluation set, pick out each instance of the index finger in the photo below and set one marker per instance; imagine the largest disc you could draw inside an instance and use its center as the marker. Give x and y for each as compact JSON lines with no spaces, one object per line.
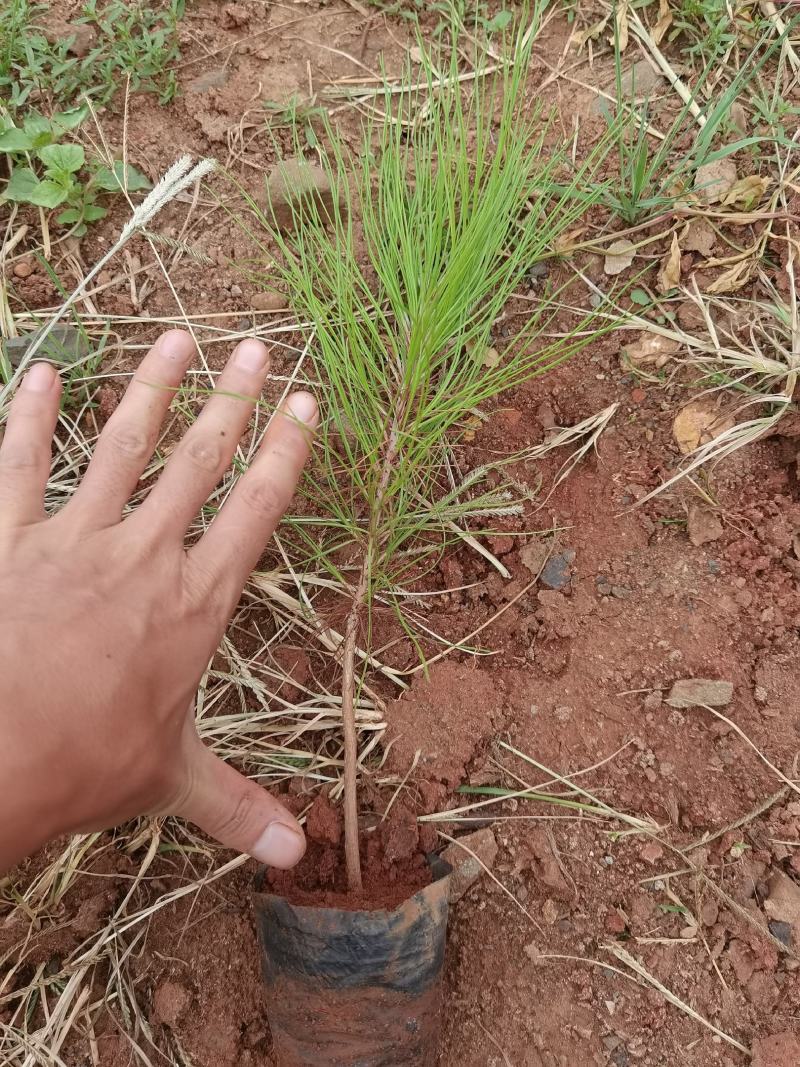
{"x":230,"y":549}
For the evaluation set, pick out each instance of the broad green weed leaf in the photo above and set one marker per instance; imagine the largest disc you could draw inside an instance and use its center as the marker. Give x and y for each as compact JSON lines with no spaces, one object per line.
{"x":70,"y":120}
{"x":48,"y":194}
{"x":21,"y":185}
{"x":500,"y":21}
{"x":15,"y":140}
{"x":62,"y":157}
{"x":121,"y":177}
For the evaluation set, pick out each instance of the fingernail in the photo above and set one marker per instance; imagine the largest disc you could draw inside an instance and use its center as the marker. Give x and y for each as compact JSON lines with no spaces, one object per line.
{"x":39,"y":378}
{"x":279,"y":846}
{"x":176,"y":345}
{"x":303,"y":406}
{"x":250,"y":356}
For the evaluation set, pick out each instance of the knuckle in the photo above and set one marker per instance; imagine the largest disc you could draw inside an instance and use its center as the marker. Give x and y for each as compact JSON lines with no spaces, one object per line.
{"x":262,"y":497}
{"x":129,"y":441}
{"x":234,"y":824}
{"x":204,"y":452}
{"x":24,"y":456}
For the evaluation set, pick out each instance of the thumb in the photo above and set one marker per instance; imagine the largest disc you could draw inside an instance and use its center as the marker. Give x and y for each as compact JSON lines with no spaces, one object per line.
{"x":238,"y":813}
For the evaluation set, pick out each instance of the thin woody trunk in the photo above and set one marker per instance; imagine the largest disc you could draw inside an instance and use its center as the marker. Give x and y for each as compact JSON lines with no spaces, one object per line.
{"x":351,"y":845}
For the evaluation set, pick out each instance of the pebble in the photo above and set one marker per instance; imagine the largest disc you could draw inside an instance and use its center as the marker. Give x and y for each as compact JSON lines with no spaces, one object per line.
{"x":268,"y":301}
{"x":209,"y":79}
{"x":782,"y":931}
{"x":23,"y":269}
{"x":709,"y":913}
{"x":555,"y":574}
{"x":652,"y":852}
{"x":691,"y":692}
{"x":63,"y":344}
{"x":235,"y":290}
{"x":296,"y":188}
{"x":783,"y":902}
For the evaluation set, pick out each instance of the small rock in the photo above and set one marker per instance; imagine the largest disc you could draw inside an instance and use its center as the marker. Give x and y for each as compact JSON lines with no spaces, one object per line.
{"x":700,"y":237}
{"x":23,"y":269}
{"x":777,"y":1050}
{"x":760,"y":695}
{"x":742,"y":959}
{"x":620,"y":592}
{"x":713,"y":180}
{"x":688,"y":932}
{"x":533,"y":555}
{"x":466,"y":868}
{"x":783,"y":902}
{"x":709,"y":913}
{"x":83,"y":38}
{"x":235,"y":290}
{"x":268,"y":301}
{"x":295,"y":187}
{"x":170,"y":1001}
{"x":209,"y":79}
{"x":704,"y":526}
{"x":738,"y":117}
{"x":63,"y":344}
{"x":782,"y":931}
{"x":651,"y":852}
{"x":615,"y":922}
{"x":555,"y":574}
{"x":550,"y":911}
{"x":691,"y":692}
{"x":640,"y":79}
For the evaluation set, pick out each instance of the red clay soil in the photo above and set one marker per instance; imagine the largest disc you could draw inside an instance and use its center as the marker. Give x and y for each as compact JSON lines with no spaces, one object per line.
{"x":577,"y":676}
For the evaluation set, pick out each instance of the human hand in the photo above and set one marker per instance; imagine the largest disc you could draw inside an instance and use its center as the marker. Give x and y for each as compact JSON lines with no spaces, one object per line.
{"x":107,"y":624}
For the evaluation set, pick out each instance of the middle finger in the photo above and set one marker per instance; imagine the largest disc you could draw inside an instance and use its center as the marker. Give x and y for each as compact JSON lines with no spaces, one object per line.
{"x":206,"y":450}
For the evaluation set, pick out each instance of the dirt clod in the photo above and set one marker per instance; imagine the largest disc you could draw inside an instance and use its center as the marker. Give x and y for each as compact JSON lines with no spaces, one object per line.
{"x":294,"y":187}
{"x":324,"y":822}
{"x":777,"y":1050}
{"x":713,"y":180}
{"x":704,"y":526}
{"x":466,"y":868}
{"x":209,"y":79}
{"x":170,"y":1001}
{"x":783,"y":902}
{"x":692,"y":692}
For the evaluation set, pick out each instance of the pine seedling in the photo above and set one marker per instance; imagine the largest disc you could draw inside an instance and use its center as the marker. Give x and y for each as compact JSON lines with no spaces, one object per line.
{"x":457,"y":194}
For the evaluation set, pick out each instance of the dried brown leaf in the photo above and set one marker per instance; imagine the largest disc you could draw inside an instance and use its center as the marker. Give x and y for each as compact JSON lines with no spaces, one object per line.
{"x":746,"y":192}
{"x":669,"y":274}
{"x":664,"y":21}
{"x":650,"y":348}
{"x":591,"y":33}
{"x":698,"y":423}
{"x":732,"y":279}
{"x":619,"y":256}
{"x":622,"y":25}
